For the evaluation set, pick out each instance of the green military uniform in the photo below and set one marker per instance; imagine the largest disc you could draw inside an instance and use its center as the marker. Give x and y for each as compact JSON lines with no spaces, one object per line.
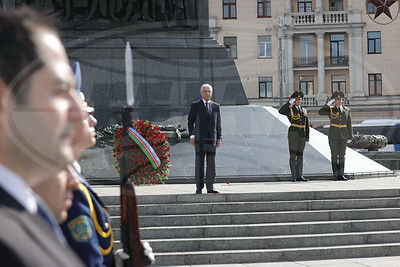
{"x":298,"y":134}
{"x":340,"y":131}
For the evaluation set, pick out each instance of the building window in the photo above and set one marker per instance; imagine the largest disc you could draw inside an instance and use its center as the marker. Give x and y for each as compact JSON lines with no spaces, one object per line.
{"x":374,"y":43}
{"x":229,"y":7}
{"x":307,"y":84}
{"x":306,"y":46}
{"x":335,"y":5}
{"x":231,"y":44}
{"x":304,"y":5}
{"x":265,"y":86}
{"x":339,"y":83}
{"x":371,"y":8}
{"x":264,"y":46}
{"x":375,"y":84}
{"x":263,"y":8}
{"x":337,"y":49}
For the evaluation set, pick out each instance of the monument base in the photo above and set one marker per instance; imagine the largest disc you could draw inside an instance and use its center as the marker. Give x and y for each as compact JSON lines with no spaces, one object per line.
{"x":169,"y":69}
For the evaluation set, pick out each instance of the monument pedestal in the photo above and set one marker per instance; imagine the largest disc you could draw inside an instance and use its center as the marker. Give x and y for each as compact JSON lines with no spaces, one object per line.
{"x":170,"y":65}
{"x":169,"y":69}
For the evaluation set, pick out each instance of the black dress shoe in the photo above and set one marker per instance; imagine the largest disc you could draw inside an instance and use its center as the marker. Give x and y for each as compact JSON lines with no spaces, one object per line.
{"x":198,"y":191}
{"x":342,"y":178}
{"x":301,"y":179}
{"x":213,"y":192}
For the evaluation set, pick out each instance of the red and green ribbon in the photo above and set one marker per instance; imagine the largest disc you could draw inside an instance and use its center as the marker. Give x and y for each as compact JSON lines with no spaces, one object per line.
{"x":145,"y":146}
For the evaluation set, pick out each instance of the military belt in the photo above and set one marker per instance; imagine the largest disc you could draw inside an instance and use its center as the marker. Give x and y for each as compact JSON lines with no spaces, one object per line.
{"x":298,"y":126}
{"x":338,"y":125}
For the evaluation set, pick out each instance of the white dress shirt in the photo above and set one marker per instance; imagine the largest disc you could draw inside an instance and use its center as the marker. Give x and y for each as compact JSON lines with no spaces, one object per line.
{"x":14,"y":185}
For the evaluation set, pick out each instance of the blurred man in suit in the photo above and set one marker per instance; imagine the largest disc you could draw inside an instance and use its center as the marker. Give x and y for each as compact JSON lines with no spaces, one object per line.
{"x":298,"y":134}
{"x":204,"y":124}
{"x":38,"y":114}
{"x":340,"y":131}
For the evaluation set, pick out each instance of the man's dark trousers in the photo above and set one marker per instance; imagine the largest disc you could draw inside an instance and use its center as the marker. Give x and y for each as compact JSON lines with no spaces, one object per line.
{"x":205,"y":151}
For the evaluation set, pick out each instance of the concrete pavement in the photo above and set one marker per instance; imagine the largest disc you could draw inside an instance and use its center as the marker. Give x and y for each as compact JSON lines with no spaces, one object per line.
{"x":318,"y":185}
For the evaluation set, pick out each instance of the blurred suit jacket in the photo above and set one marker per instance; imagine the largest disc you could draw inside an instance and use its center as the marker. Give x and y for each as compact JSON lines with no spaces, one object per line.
{"x":26,"y":240}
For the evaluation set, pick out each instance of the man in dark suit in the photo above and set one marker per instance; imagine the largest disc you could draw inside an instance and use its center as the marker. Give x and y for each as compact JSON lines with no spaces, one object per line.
{"x":298,"y":134}
{"x":38,"y":114}
{"x":340,"y":131}
{"x":204,"y":124}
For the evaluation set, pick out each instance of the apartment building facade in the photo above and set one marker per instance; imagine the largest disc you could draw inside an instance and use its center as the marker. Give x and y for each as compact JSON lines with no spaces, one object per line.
{"x":317,"y":46}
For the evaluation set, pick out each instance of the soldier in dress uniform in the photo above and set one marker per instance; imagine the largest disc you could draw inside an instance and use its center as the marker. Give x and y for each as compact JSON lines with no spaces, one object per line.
{"x":298,"y":134}
{"x":88,"y":228}
{"x":340,"y":131}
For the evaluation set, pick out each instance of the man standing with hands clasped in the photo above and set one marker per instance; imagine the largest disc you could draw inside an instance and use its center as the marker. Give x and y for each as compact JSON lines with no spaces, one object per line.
{"x":340,"y":131}
{"x":298,"y":134}
{"x":204,"y":124}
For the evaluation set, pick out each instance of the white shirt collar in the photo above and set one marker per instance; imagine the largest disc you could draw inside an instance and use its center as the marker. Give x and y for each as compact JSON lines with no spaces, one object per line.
{"x":77,"y":167}
{"x":209,"y":101}
{"x":340,"y":108}
{"x":14,"y":185}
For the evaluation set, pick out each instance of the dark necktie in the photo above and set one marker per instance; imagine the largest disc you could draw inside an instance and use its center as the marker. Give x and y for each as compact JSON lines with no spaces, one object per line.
{"x":207,"y":109}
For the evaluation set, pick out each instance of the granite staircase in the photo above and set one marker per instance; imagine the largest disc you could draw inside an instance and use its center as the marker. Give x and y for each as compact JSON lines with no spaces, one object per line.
{"x":267,"y":227}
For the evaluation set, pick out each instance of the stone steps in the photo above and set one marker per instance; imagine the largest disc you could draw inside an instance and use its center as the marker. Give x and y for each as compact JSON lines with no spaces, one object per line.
{"x":268,"y":217}
{"x":243,"y":207}
{"x":265,"y":227}
{"x":273,"y":242}
{"x":276,"y":255}
{"x":263,"y":217}
{"x":246,"y":197}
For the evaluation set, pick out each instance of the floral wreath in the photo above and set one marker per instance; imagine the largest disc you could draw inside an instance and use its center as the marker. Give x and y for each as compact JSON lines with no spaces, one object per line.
{"x":144,"y":171}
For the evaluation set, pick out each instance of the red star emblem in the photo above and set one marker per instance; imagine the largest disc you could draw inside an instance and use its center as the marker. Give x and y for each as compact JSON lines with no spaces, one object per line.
{"x":382,"y":6}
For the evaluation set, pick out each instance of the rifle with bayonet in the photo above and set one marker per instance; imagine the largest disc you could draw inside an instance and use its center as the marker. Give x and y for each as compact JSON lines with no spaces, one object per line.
{"x":140,"y":254}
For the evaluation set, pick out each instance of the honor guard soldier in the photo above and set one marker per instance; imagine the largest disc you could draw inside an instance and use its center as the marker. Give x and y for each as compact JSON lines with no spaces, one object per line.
{"x":298,"y":134}
{"x":88,"y":228}
{"x":340,"y":131}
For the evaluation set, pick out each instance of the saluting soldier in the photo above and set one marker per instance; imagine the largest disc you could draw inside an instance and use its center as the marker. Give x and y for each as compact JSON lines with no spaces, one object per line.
{"x":340,"y":131}
{"x":298,"y":133}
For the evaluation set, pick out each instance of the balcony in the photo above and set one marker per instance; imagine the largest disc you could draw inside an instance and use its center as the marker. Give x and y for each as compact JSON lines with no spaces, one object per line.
{"x":305,"y":62}
{"x":337,"y":61}
{"x":335,"y":17}
{"x":326,"y":18}
{"x":311,"y":100}
{"x":312,"y":62}
{"x":303,"y":18}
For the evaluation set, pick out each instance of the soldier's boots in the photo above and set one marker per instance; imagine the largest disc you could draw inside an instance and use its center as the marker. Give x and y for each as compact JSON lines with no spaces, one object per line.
{"x":293,"y":170}
{"x":341,"y":176}
{"x":335,"y":171}
{"x":300,"y":177}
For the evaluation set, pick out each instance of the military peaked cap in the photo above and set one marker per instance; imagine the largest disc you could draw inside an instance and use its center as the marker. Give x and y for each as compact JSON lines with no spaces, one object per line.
{"x":337,"y":95}
{"x":84,"y":104}
{"x":297,"y":95}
